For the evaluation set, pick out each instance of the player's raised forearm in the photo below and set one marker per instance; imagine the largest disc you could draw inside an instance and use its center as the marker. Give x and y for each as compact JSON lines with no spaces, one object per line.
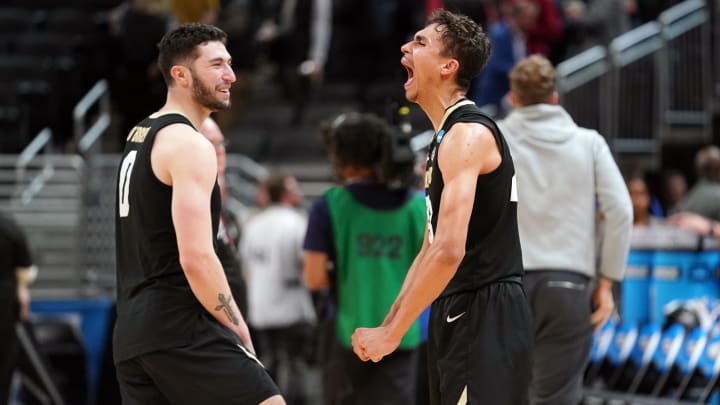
{"x":430,"y":277}
{"x":409,"y":277}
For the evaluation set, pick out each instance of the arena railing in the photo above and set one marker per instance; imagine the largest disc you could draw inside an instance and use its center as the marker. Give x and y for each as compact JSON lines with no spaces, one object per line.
{"x":652,"y":84}
{"x":582,"y":78}
{"x":636,"y":81}
{"x":43,"y":192}
{"x":687,"y":67}
{"x":85,"y":138}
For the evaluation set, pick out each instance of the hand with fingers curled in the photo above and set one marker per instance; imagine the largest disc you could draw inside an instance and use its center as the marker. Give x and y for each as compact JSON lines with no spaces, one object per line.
{"x":374,"y":343}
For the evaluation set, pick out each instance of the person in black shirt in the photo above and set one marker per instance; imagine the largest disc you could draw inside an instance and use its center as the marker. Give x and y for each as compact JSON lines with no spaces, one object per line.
{"x":470,"y":265}
{"x":179,"y":336}
{"x":16,"y":272}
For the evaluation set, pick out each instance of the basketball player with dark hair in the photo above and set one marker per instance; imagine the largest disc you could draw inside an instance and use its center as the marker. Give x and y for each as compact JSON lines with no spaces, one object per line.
{"x":179,"y":336}
{"x":470,"y":265}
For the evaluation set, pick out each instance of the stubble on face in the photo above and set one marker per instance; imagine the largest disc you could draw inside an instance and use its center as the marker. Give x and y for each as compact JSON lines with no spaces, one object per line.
{"x":204,"y":94}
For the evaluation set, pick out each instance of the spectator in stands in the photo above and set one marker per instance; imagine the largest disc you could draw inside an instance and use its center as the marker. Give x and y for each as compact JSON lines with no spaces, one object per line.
{"x":508,"y":46}
{"x":281,"y":309}
{"x":561,"y":170}
{"x":696,"y":223}
{"x":641,"y":201}
{"x":136,"y":85}
{"x":371,"y":234}
{"x":365,"y":34}
{"x":241,"y":20}
{"x":593,"y":22}
{"x":704,"y":197}
{"x":16,"y":272}
{"x":202,"y":11}
{"x":699,"y":210}
{"x":674,"y":189}
{"x":228,"y":236}
{"x":540,"y":23}
{"x":297,"y":35}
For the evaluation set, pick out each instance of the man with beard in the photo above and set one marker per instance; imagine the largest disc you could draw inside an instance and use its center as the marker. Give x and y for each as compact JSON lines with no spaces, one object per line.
{"x":179,"y":336}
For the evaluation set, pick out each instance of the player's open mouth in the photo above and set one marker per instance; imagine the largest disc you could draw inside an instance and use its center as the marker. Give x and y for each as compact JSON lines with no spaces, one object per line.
{"x":411,"y":76}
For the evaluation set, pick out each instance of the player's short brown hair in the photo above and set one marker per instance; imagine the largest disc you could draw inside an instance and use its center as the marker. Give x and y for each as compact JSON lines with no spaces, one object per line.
{"x":181,"y":44}
{"x":465,"y":41}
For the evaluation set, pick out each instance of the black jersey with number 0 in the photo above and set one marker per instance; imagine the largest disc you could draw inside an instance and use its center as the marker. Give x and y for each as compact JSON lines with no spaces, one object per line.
{"x":492,"y":249}
{"x":156,"y":308}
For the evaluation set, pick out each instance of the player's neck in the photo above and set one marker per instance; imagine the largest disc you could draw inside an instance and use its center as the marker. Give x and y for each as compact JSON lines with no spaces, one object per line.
{"x":186,"y":106}
{"x":435,"y":107}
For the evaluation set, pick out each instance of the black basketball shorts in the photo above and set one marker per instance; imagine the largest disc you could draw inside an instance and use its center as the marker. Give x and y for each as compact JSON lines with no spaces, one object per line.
{"x":214,"y":369}
{"x":480,"y":347}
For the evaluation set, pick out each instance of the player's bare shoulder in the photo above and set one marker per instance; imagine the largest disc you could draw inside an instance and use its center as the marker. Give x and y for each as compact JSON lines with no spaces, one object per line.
{"x":179,"y":145}
{"x":469,"y":145}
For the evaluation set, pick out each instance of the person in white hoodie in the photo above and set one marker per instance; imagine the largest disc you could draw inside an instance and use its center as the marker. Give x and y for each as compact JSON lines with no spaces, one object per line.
{"x":565,"y":173}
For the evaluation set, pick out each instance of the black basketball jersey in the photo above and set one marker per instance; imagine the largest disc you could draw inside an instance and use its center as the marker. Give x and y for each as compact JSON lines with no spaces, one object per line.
{"x":492,"y":250}
{"x":155,"y":305}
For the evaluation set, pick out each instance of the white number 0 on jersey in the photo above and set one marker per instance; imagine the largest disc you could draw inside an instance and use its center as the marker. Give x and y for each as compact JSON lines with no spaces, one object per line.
{"x":124,"y":183}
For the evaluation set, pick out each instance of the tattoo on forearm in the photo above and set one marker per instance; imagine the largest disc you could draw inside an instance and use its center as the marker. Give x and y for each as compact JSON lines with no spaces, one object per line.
{"x":225,"y":306}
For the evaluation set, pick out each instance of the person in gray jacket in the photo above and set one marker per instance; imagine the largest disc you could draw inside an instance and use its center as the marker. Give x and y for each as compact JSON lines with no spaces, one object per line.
{"x":564,"y":173}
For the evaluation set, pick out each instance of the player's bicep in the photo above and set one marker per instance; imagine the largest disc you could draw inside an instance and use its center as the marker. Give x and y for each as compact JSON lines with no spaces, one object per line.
{"x":193,"y":179}
{"x":456,"y":207}
{"x":466,"y":152}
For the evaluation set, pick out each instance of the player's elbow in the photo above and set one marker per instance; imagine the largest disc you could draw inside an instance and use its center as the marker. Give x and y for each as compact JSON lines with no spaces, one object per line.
{"x":450,"y":254}
{"x":195,"y":262}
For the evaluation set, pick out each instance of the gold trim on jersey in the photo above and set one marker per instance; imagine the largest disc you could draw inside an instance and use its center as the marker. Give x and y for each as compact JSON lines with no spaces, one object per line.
{"x":159,"y":114}
{"x":450,"y":111}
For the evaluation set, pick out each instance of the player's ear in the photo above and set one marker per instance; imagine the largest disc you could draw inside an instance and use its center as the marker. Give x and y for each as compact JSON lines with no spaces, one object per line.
{"x":450,"y":67}
{"x":181,"y":75}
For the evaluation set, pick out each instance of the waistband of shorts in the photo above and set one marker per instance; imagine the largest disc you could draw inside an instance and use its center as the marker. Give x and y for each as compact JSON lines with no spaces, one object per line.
{"x":505,"y":280}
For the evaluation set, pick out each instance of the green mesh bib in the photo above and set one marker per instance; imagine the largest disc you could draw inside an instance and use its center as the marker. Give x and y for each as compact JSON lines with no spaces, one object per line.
{"x":374,"y":250}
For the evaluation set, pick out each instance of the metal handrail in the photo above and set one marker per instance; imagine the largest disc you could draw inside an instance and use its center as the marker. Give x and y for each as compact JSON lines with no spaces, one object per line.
{"x":34,"y":148}
{"x":248,"y":166}
{"x":683,"y":10}
{"x":592,"y":63}
{"x":25,"y":157}
{"x":625,"y":49}
{"x":86,"y":138}
{"x":675,"y":22}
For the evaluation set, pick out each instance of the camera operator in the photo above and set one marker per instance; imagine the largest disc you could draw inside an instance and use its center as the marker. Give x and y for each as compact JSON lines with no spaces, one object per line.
{"x":369,"y":228}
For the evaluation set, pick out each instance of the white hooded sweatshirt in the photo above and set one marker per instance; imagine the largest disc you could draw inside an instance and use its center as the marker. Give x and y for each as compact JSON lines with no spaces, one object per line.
{"x":563,"y":173}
